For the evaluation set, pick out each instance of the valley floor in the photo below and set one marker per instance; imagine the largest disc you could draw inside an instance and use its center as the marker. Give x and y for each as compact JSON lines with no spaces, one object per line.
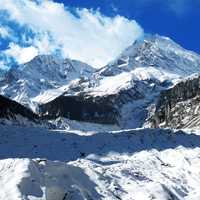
{"x":142,"y":164}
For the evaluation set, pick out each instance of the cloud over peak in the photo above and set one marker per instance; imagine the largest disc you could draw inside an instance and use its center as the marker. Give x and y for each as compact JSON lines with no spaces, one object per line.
{"x":50,"y":27}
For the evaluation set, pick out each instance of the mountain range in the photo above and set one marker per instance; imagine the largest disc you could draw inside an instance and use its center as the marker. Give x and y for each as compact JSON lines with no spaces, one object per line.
{"x":124,"y":92}
{"x":114,"y":126}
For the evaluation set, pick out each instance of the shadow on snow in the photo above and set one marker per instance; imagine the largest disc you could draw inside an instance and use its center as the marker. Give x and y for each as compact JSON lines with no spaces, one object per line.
{"x":52,"y":145}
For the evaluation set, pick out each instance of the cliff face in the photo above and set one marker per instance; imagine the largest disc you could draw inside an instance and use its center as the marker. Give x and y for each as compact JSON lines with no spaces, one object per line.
{"x":79,"y":108}
{"x":178,"y":107}
{"x":10,"y":109}
{"x":85,"y":107}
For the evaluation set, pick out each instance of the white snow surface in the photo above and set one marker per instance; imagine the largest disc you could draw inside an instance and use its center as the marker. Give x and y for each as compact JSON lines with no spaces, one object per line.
{"x":140,"y":164}
{"x":111,"y":85}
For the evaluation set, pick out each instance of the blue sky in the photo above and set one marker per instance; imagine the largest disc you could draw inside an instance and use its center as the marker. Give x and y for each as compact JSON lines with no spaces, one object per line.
{"x":93,"y":31}
{"x":177,"y":19}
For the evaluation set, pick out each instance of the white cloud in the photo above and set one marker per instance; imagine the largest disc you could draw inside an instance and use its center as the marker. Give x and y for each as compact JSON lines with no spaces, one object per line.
{"x":22,"y":55}
{"x":87,"y":36}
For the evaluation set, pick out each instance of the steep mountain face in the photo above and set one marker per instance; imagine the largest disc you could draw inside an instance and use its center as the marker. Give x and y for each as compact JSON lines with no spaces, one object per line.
{"x":124,"y":91}
{"x":179,"y":106}
{"x":27,"y":83}
{"x":10,"y":110}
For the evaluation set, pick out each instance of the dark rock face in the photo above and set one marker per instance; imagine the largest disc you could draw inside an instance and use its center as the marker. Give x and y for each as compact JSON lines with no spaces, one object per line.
{"x":177,"y":106}
{"x":80,"y":108}
{"x":85,"y":107}
{"x":9,"y":109}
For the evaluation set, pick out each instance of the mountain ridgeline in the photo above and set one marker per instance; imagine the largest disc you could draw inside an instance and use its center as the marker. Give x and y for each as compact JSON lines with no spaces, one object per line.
{"x":150,"y":83}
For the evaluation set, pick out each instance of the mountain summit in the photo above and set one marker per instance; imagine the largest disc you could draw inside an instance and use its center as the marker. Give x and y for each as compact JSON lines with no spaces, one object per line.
{"x":155,"y":57}
{"x":25,"y":82}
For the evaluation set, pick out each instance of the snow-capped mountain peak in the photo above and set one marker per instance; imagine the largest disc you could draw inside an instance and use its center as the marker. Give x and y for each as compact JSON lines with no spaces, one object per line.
{"x":44,"y":72}
{"x":155,"y":57}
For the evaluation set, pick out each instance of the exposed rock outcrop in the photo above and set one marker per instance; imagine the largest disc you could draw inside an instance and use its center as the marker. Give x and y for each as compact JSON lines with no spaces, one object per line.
{"x":178,"y":107}
{"x":84,"y":107}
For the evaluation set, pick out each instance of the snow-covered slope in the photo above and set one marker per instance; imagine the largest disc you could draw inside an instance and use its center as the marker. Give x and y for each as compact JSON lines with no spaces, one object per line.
{"x":29,"y":82}
{"x":44,"y":180}
{"x":130,"y":165}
